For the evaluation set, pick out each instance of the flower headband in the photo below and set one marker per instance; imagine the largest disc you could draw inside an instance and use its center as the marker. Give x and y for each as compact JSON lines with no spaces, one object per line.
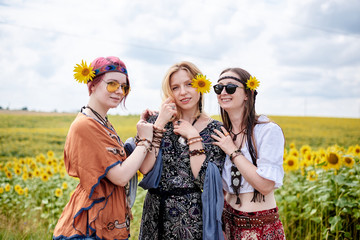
{"x":201,"y":84}
{"x":252,"y":83}
{"x":84,"y":73}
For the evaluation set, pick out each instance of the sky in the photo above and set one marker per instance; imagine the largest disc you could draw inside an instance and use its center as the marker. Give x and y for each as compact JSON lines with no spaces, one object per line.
{"x":306,"y":54}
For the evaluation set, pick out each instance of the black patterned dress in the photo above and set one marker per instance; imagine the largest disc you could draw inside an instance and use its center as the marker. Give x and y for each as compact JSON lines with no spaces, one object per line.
{"x":173,"y":210}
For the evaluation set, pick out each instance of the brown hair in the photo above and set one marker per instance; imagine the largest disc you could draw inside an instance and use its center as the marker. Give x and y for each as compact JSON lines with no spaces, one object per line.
{"x":249,"y":119}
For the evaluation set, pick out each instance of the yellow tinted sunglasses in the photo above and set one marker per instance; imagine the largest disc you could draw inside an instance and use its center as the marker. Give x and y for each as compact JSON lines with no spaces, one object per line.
{"x":114,"y":85}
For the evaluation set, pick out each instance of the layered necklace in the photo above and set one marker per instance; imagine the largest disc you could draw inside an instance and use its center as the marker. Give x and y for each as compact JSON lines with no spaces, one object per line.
{"x":104,"y":121}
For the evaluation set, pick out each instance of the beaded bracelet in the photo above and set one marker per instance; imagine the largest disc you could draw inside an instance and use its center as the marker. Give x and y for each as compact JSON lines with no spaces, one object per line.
{"x":148,"y":146}
{"x":197,"y":152}
{"x":138,"y":140}
{"x":194,"y":140}
{"x":236,"y":153}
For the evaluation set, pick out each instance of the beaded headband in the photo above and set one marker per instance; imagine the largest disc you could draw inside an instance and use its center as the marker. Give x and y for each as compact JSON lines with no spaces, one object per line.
{"x":84,"y":73}
{"x":110,"y":68}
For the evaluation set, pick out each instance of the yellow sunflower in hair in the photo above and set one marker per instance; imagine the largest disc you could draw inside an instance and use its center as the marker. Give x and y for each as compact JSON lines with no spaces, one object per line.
{"x":201,"y":83}
{"x":83,"y":73}
{"x":252,"y":83}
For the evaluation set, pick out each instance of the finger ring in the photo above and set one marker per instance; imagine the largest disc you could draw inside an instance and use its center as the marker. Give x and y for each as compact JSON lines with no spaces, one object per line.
{"x":178,"y":122}
{"x":226,"y":134}
{"x":173,"y":107}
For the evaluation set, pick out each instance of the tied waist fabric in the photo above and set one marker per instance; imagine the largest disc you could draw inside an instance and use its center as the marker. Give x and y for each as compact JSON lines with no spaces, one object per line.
{"x":212,"y":204}
{"x":129,"y":147}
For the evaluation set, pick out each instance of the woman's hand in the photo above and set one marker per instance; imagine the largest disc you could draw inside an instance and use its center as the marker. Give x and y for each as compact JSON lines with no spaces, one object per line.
{"x":146,"y":114}
{"x":167,"y":112}
{"x":145,"y":130}
{"x":224,"y":141}
{"x":185,"y":129}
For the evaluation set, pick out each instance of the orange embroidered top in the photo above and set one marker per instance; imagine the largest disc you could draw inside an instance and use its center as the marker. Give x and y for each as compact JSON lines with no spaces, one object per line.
{"x":97,"y":207}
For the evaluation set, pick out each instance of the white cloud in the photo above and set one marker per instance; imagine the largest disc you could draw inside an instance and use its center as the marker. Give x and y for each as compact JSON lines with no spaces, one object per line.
{"x":306,"y":54}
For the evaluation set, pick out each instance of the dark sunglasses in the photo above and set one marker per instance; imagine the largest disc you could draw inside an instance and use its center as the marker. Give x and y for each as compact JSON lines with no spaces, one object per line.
{"x":230,"y":88}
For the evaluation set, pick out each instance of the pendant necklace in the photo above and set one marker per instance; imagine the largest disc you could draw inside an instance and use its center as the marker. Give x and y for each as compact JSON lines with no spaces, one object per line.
{"x":235,"y":135}
{"x":236,"y":177}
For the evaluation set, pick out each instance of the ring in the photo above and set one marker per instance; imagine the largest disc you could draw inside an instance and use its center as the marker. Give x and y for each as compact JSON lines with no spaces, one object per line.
{"x":226,"y":134}
{"x":178,"y":122}
{"x":173,"y":107}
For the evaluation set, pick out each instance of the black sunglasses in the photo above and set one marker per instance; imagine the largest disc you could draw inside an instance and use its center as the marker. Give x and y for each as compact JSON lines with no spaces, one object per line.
{"x":230,"y":88}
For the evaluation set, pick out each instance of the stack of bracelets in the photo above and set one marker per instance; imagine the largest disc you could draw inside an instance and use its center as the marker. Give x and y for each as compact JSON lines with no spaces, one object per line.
{"x":157,"y":136}
{"x":144,"y":142}
{"x":195,"y":151}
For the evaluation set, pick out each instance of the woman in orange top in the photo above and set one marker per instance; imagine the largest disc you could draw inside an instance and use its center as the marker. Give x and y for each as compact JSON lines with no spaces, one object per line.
{"x":94,"y":153}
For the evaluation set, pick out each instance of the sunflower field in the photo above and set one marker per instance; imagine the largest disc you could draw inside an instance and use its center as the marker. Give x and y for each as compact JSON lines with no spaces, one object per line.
{"x":320,"y":198}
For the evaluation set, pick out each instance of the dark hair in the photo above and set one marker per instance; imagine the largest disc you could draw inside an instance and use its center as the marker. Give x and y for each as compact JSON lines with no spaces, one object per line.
{"x":249,"y":120}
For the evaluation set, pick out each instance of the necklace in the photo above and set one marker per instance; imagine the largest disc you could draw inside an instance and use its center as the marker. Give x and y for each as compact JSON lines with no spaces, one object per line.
{"x":236,"y":134}
{"x":181,"y":140}
{"x":236,"y":177}
{"x":102,"y":120}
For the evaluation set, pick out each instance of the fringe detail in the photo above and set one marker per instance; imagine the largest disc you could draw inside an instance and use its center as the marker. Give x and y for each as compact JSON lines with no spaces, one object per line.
{"x":258,"y":197}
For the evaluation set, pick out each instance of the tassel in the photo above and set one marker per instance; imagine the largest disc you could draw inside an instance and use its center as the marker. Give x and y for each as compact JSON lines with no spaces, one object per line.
{"x":238,"y":199}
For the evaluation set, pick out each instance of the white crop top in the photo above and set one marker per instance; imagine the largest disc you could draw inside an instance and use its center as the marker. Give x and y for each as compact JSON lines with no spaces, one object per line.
{"x":270,"y":150}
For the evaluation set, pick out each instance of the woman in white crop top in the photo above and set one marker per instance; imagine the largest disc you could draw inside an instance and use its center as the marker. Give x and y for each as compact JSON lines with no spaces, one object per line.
{"x":253,"y":166}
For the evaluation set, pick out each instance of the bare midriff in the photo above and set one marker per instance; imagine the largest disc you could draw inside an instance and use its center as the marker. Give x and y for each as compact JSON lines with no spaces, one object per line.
{"x":247,"y":205}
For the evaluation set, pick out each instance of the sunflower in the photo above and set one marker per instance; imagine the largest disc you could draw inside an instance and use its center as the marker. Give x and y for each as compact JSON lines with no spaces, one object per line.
{"x":309,"y":158}
{"x":17,"y":187}
{"x":357,"y":150}
{"x":83,"y":73}
{"x":348,"y":161}
{"x":44,"y":177}
{"x":304,"y":149}
{"x":25,"y":177}
{"x":294,"y":152}
{"x":50,"y":154}
{"x":291,"y":163}
{"x":333,"y":160}
{"x":304,"y":164}
{"x":64,"y":185}
{"x":311,"y":176}
{"x":201,"y":83}
{"x":41,"y":158}
{"x":37,"y":172}
{"x":7,"y":187}
{"x":8,"y":174}
{"x":20,"y":191}
{"x":292,"y":145}
{"x":140,"y":175}
{"x":1,"y":190}
{"x":252,"y":83}
{"x":58,"y":192}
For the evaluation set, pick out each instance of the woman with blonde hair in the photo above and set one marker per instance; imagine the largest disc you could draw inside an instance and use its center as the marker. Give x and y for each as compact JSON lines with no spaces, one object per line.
{"x":176,"y":207}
